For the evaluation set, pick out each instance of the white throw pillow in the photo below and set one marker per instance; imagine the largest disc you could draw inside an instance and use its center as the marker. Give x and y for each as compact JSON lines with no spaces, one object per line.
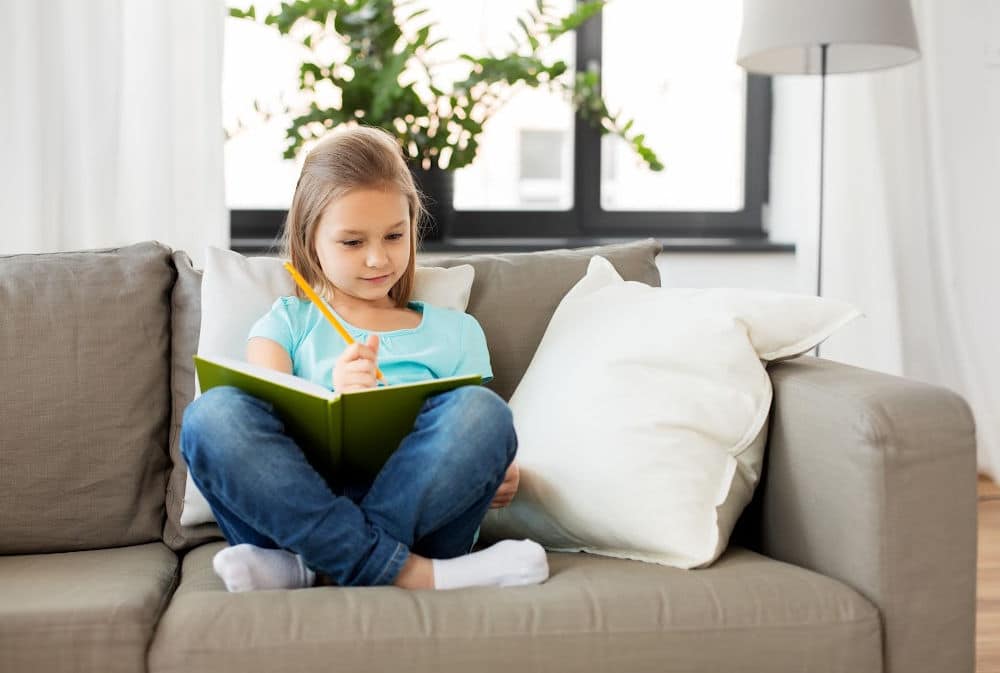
{"x":237,"y":290}
{"x":642,"y":417}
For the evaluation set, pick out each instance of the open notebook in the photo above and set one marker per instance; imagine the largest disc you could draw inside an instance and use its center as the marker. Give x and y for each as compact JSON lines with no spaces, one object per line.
{"x":354,"y":432}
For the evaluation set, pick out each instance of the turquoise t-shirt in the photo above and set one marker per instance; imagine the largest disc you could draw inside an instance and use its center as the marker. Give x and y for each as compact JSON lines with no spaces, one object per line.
{"x":445,"y":343}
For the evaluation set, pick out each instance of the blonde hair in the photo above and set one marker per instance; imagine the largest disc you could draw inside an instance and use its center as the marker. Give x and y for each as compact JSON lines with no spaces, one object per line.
{"x":353,"y":158}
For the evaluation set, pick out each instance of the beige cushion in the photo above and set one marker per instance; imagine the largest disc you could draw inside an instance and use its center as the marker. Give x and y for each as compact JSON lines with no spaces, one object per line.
{"x":83,"y":611}
{"x":85,"y":400}
{"x":746,"y":612}
{"x":513,"y":297}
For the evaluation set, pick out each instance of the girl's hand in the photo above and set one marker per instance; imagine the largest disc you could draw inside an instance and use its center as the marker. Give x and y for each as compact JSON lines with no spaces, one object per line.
{"x":508,"y":488}
{"x":355,"y":368}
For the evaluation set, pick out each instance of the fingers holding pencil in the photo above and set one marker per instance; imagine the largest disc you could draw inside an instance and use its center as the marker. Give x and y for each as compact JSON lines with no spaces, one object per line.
{"x":314,"y":298}
{"x":355,"y":368}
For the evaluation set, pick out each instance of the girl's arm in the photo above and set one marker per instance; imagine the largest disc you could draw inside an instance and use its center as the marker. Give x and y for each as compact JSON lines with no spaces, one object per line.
{"x":268,"y":353}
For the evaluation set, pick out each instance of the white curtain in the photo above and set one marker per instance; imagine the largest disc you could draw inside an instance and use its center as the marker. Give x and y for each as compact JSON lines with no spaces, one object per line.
{"x":111,"y":128}
{"x":912,"y":228}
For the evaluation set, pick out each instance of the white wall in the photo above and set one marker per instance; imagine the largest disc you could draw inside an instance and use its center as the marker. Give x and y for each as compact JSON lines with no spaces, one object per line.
{"x":761,"y":271}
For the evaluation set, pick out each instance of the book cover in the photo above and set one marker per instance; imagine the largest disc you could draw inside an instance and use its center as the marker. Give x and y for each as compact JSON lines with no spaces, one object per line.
{"x":352,"y":433}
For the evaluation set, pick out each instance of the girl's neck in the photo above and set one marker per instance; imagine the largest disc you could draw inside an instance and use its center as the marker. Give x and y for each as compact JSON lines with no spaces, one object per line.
{"x":348,"y":306}
{"x":376,"y":316}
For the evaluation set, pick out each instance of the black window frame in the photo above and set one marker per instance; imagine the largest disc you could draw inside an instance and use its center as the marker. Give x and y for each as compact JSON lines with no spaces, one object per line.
{"x":587,"y":223}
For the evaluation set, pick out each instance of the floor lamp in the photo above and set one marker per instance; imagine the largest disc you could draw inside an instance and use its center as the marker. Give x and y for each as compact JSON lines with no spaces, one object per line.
{"x":821,"y":37}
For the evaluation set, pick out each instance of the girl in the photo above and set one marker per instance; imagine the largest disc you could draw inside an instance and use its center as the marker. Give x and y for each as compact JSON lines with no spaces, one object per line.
{"x":351,"y":232}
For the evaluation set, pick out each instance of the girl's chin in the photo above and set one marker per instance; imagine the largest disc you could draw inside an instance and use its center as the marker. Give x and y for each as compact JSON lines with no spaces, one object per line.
{"x":373,"y":291}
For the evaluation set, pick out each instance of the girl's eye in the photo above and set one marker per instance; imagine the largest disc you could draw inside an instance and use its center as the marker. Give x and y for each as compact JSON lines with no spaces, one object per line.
{"x":354,"y":244}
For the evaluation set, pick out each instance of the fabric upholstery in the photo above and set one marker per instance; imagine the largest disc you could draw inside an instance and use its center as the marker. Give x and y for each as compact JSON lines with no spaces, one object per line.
{"x":593,"y":614}
{"x":85,"y":400}
{"x":83,"y":611}
{"x":185,"y":323}
{"x":871,"y":479}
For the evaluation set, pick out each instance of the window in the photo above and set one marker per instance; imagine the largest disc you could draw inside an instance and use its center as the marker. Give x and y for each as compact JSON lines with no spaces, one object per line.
{"x":544,"y":163}
{"x":542,"y":176}
{"x":690,"y":102}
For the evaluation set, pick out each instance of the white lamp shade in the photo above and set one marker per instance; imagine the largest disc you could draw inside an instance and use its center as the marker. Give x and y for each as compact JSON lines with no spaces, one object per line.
{"x":783,"y":37}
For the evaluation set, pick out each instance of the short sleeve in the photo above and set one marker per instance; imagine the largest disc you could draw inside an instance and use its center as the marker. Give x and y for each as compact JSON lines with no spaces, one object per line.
{"x":276,"y":325}
{"x":474,"y":357}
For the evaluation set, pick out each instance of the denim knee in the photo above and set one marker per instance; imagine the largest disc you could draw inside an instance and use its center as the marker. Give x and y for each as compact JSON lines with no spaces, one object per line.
{"x":207,"y":427}
{"x":481,"y":413}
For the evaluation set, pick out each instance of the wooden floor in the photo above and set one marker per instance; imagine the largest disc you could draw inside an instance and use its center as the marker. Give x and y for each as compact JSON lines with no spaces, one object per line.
{"x":988,"y":585}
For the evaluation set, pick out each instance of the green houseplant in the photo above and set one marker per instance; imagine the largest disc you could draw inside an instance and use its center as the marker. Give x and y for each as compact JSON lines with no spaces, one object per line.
{"x":437,"y":122}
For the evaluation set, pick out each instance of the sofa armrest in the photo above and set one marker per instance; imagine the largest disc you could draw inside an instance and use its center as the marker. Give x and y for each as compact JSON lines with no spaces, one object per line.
{"x":871,"y":479}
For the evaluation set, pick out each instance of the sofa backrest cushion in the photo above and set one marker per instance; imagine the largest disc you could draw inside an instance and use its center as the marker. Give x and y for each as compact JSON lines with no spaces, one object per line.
{"x":186,"y":322}
{"x":85,"y":398}
{"x":513,"y":297}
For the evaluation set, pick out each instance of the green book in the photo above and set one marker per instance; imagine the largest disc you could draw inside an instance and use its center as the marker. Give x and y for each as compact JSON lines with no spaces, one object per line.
{"x":340,"y":433}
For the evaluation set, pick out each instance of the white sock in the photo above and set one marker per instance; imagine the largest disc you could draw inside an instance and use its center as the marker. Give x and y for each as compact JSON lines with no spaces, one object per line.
{"x":248,"y":568}
{"x":505,"y":564}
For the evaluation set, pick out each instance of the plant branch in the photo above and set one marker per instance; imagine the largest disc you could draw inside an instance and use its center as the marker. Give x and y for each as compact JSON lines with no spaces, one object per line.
{"x":445,"y":126}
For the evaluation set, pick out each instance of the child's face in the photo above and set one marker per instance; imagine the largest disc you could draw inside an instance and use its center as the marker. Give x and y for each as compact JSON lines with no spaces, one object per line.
{"x":363,"y":242}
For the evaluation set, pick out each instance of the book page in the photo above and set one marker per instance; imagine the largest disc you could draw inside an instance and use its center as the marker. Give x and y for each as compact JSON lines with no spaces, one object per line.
{"x":435,"y":383}
{"x":279,"y":378}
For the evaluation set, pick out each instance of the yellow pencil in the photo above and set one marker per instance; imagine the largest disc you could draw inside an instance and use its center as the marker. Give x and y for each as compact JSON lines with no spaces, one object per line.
{"x":301,"y":282}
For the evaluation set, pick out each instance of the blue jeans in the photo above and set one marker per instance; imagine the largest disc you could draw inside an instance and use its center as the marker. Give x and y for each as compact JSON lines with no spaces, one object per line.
{"x":430,"y":496}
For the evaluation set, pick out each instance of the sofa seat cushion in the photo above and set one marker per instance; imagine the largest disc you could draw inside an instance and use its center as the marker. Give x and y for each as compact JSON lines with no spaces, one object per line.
{"x":594,"y":613}
{"x":83,"y":610}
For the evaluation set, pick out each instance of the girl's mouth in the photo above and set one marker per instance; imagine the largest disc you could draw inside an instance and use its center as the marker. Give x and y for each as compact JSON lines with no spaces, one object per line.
{"x":377,"y":279}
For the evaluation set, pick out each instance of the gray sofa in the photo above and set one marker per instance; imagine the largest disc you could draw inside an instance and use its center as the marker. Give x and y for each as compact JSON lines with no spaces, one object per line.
{"x":858,"y":552}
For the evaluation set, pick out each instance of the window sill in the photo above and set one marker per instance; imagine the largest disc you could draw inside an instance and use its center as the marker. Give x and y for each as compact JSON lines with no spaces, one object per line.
{"x":493,"y":245}
{"x":467,"y":246}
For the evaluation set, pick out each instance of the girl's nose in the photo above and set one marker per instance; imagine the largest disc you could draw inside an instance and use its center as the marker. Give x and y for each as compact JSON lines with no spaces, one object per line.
{"x":376,"y":257}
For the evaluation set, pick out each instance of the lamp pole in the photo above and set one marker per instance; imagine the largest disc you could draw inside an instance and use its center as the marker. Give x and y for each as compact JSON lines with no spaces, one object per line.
{"x":822,"y":147}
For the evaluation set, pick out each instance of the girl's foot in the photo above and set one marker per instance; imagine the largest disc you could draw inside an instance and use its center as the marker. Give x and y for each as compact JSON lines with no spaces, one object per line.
{"x":249,"y":568}
{"x":508,"y":563}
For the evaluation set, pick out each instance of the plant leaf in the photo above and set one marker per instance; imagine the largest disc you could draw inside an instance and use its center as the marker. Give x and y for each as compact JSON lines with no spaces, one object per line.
{"x":574,"y":20}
